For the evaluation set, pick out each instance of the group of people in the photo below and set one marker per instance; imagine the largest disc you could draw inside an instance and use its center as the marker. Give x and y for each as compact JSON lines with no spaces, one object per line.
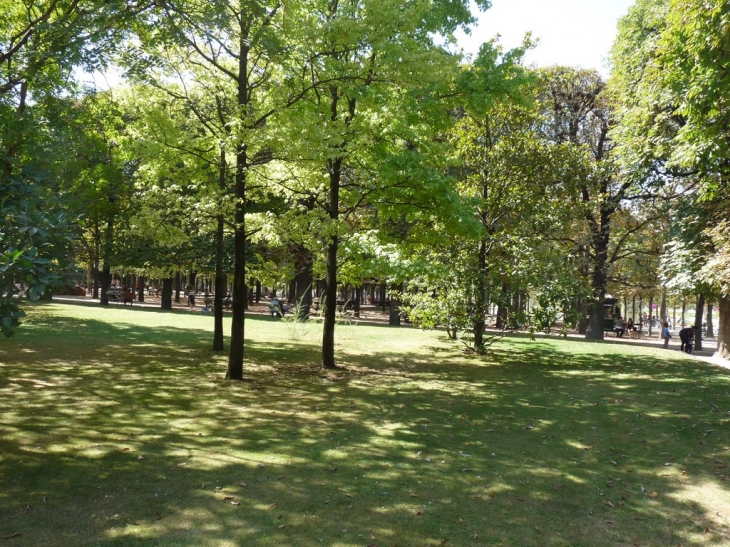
{"x":621,"y":327}
{"x":686,"y":337}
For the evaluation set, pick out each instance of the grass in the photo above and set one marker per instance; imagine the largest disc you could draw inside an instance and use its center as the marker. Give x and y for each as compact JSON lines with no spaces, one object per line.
{"x":117,"y":429}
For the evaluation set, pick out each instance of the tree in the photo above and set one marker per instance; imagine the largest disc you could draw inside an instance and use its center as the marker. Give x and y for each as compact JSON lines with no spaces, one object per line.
{"x":670,"y":74}
{"x":40,"y":44}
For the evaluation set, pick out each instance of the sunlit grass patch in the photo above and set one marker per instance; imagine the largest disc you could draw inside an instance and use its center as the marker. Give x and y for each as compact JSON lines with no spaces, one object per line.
{"x":118,"y":429}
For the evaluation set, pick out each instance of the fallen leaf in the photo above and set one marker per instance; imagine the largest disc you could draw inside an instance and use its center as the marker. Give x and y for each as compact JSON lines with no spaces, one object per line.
{"x":271,"y":505}
{"x":25,"y":510}
{"x":349,"y":495}
{"x":419,"y":513}
{"x":236,"y":503}
{"x":413,"y":495}
{"x":226,"y":498}
{"x":281,"y":526}
{"x":707,"y":530}
{"x":520,"y":499}
{"x":11,"y":536}
{"x":140,"y":457}
{"x":242,"y":484}
{"x":124,"y":449}
{"x":182,"y":464}
{"x":654,"y":495}
{"x":261,"y":465}
{"x":609,"y":504}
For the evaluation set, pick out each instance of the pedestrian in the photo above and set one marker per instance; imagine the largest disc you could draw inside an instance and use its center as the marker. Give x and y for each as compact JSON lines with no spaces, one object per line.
{"x":191,"y":297}
{"x":687,"y":336}
{"x":665,"y":334}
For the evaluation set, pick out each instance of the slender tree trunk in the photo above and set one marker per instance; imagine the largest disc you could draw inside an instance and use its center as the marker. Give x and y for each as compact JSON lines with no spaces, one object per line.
{"x":303,"y":281}
{"x":106,"y":276}
{"x":651,"y":307}
{"x":598,"y":283}
{"x":236,"y":351}
{"x":220,"y":276}
{"x":330,"y":293}
{"x":178,"y":287}
{"x":699,"y":312}
{"x":684,"y":310}
{"x":710,"y":326}
{"x":503,"y":307}
{"x":358,"y":301}
{"x":723,"y":329}
{"x":663,"y":308}
{"x":480,"y":298}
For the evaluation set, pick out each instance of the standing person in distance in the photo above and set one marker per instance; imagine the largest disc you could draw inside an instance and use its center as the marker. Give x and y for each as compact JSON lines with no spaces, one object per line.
{"x":666,"y":335}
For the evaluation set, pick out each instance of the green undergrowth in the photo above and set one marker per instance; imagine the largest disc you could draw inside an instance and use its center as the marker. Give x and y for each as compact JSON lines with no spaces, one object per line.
{"x":117,"y":429}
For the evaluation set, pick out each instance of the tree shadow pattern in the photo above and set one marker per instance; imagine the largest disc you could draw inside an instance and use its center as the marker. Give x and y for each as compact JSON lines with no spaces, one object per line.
{"x":117,"y":441}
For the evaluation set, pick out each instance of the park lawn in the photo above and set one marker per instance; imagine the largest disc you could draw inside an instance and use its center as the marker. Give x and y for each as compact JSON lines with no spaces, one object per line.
{"x":117,"y":429}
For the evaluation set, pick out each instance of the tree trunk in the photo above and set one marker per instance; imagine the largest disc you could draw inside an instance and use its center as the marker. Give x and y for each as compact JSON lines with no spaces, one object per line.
{"x":684,"y":310}
{"x":303,"y":281}
{"x":710,"y":326}
{"x":663,"y":309}
{"x":220,"y":285}
{"x":699,"y":312}
{"x":330,"y":292}
{"x":178,"y":287}
{"x":394,"y":318}
{"x":502,"y":308}
{"x":166,"y":297}
{"x":723,"y":329}
{"x":358,"y":301}
{"x":480,"y":298}
{"x":651,"y":309}
{"x":140,"y":288}
{"x":236,"y":351}
{"x":598,"y":284}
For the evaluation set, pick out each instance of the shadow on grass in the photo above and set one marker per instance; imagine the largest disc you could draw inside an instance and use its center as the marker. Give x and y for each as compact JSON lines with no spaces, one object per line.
{"x":129,"y":437}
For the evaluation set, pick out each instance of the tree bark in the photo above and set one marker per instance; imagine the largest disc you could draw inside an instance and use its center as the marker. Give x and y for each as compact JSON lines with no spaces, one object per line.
{"x":710,"y":326}
{"x":723,"y":329}
{"x":330,"y":292}
{"x":166,"y":297}
{"x":140,"y":288}
{"x":663,"y":308}
{"x":480,"y":298}
{"x":236,"y":350}
{"x":599,"y":277}
{"x":394,"y":317}
{"x":699,"y":312}
{"x":303,"y":281}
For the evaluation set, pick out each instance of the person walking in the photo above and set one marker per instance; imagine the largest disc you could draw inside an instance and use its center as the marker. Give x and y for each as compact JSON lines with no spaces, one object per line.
{"x":686,"y":336}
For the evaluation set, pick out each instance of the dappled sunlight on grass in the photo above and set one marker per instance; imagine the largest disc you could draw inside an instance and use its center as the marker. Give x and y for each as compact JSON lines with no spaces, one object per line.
{"x":118,"y":429}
